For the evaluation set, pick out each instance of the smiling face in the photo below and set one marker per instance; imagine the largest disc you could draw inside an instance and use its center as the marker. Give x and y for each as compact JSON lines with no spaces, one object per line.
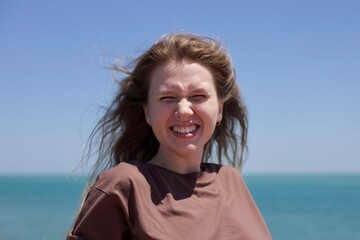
{"x":183,"y":108}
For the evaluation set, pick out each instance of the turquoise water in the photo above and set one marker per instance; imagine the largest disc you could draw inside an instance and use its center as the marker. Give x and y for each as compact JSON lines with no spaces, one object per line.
{"x":38,"y":208}
{"x":294,"y":207}
{"x":309,"y":207}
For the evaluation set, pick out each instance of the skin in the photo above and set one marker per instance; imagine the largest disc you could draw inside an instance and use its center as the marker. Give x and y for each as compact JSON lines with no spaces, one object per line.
{"x":183,"y":109}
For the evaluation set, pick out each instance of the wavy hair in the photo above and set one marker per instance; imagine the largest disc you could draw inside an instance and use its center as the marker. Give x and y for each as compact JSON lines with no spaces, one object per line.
{"x":123,"y":134}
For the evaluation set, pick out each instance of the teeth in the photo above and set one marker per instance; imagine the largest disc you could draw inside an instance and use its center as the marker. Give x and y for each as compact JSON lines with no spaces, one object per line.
{"x":188,"y":129}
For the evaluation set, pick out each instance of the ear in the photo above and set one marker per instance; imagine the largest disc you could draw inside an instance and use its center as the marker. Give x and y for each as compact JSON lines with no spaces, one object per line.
{"x":220,"y":111}
{"x":146,"y":114}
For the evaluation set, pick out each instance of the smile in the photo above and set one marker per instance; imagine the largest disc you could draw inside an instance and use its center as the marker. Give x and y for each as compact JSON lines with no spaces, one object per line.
{"x":185,"y":130}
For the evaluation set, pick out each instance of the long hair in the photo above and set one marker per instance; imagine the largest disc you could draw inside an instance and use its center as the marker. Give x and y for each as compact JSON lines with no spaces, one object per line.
{"x":123,"y":134}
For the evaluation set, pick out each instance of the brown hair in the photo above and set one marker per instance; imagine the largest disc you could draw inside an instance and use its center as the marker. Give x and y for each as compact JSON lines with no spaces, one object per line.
{"x":123,"y":132}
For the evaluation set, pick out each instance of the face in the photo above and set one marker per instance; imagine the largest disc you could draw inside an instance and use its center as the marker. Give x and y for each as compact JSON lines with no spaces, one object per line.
{"x":183,"y":107}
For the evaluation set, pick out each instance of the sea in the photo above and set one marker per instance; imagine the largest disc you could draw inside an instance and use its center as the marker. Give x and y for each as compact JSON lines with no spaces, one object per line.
{"x":303,"y":207}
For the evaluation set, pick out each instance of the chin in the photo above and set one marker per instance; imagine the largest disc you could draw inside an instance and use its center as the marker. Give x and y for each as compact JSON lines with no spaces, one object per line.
{"x":188,"y":150}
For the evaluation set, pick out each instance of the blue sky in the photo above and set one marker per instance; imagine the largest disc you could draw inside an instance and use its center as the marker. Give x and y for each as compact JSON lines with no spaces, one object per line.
{"x":298,"y":65}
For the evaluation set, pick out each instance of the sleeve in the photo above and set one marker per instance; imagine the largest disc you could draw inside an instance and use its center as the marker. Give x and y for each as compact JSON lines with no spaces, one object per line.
{"x":101,"y":217}
{"x":254,"y":218}
{"x":243,"y":203}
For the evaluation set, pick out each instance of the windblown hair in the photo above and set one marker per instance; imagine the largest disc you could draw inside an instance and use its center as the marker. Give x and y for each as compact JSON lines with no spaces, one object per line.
{"x":123,"y":134}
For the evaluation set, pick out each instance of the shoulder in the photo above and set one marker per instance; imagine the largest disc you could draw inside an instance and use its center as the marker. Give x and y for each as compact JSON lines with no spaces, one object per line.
{"x":222,"y":170}
{"x":227,"y":175}
{"x":122,"y":177}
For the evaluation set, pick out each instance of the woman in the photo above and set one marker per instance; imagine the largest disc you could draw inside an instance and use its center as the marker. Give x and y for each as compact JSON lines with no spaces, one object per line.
{"x":177,"y":110}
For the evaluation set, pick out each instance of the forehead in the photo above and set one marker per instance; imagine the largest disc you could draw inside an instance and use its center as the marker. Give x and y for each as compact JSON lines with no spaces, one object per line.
{"x":181,"y":76}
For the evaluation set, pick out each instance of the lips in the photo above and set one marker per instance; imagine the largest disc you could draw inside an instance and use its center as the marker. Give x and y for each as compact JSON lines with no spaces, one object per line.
{"x":184,"y":129}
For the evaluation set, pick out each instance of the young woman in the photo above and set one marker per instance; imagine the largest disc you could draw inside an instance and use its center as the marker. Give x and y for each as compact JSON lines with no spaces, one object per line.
{"x":177,"y":112}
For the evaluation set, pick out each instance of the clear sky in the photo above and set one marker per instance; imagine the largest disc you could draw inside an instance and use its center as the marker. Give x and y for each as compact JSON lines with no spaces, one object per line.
{"x":297,"y":62}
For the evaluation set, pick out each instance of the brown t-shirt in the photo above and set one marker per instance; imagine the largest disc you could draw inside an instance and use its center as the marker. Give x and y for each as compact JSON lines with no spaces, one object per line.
{"x":138,"y":200}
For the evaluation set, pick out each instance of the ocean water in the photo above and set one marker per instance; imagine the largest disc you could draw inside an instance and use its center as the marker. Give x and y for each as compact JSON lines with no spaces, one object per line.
{"x":38,"y":207}
{"x":309,"y":207}
{"x":295,"y":207}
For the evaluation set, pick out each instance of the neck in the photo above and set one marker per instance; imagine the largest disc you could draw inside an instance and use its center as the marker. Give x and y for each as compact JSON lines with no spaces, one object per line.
{"x":178,"y":163}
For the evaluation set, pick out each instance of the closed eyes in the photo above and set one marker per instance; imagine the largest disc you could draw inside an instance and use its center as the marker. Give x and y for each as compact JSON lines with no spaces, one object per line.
{"x":193,"y":98}
{"x":168,"y":99}
{"x":197,"y":98}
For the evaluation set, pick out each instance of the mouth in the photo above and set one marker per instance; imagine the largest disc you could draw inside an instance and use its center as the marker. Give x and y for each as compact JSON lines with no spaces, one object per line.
{"x":185,"y":129}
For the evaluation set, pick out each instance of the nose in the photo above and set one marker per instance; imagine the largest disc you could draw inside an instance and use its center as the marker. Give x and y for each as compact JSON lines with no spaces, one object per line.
{"x":184,"y":109}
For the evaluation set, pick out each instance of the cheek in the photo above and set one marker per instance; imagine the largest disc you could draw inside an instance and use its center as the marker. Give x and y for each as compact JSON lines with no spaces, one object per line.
{"x":208,"y":114}
{"x":158,"y":113}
